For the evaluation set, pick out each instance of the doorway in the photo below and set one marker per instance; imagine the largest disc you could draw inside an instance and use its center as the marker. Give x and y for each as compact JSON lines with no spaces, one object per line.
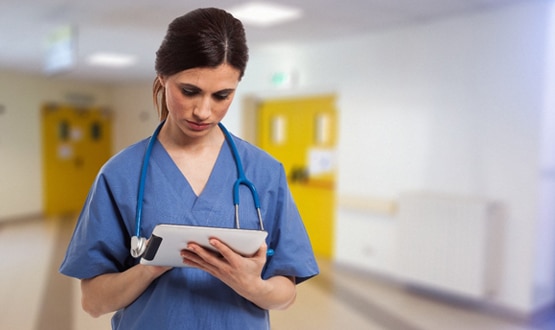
{"x":76,"y":142}
{"x":301,"y":133}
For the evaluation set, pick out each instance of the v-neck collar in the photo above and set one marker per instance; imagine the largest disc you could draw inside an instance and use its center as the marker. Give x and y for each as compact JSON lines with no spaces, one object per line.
{"x":212,"y":201}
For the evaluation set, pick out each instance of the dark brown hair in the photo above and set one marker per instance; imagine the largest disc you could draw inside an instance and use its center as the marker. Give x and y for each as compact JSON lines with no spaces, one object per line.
{"x":202,"y":38}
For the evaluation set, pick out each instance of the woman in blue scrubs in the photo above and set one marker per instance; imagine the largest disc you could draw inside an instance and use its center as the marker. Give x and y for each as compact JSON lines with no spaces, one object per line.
{"x":190,"y":180}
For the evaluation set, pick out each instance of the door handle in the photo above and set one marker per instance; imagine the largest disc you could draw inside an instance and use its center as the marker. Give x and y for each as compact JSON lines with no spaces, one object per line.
{"x":299,"y":174}
{"x":78,"y":162}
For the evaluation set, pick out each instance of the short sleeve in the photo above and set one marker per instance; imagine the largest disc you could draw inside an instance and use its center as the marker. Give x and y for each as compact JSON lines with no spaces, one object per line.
{"x":293,"y":254}
{"x":100,"y":241}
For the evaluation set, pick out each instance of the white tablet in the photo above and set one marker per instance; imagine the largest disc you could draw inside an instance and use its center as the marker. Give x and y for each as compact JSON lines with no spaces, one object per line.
{"x":165,"y":245}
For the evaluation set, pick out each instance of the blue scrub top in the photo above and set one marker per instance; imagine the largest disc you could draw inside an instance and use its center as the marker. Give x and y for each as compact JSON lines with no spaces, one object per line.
{"x":187,"y":298}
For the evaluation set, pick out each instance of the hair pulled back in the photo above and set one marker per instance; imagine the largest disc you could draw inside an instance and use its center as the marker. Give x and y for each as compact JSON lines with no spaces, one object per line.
{"x":202,"y":38}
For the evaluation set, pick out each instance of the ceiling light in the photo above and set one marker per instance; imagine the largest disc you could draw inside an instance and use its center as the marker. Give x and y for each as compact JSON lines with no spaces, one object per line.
{"x":265,"y":14}
{"x":112,"y":60}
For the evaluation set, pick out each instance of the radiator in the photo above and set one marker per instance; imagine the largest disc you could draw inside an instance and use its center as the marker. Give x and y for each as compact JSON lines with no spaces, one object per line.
{"x":450,"y":243}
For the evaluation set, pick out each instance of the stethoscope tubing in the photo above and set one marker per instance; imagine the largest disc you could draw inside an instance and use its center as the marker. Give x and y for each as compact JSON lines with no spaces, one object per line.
{"x":241,"y":180}
{"x":142,"y":180}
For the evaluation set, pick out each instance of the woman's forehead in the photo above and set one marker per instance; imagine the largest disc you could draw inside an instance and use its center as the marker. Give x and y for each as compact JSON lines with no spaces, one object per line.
{"x":222,"y":75}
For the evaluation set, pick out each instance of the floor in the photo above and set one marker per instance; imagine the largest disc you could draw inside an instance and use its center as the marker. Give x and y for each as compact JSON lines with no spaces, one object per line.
{"x":34,"y":296}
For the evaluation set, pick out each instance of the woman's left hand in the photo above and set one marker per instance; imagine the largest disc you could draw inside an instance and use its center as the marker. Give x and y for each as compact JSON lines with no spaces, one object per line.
{"x":235,"y":270}
{"x":242,"y":274}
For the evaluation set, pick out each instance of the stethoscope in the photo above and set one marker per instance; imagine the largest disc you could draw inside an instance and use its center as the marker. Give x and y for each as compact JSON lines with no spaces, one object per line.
{"x":138,"y":243}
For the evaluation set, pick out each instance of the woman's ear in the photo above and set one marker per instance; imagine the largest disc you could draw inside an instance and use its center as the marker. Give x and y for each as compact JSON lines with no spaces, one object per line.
{"x":161,"y":80}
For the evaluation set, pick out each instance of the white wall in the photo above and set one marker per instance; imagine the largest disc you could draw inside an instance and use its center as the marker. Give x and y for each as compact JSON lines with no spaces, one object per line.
{"x":136,"y":116}
{"x":452,"y":106}
{"x":21,"y":98}
{"x":545,"y":238}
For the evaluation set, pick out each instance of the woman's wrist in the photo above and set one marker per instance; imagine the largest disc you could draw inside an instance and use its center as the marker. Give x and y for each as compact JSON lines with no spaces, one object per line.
{"x":152,"y":272}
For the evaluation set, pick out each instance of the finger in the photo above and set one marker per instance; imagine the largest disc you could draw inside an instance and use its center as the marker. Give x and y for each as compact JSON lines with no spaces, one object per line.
{"x":201,"y":255}
{"x":225,"y":251}
{"x":190,"y":257}
{"x":261,"y":251}
{"x":189,"y":254}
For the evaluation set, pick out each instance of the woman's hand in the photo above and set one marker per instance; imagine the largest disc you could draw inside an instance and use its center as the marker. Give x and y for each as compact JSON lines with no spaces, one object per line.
{"x":242,"y":274}
{"x":227,"y":265}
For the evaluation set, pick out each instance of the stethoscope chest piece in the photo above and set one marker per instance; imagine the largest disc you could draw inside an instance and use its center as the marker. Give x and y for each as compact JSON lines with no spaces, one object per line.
{"x":138,"y":246}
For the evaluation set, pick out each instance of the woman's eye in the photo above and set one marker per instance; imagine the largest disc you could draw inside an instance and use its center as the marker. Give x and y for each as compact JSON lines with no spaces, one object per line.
{"x":189,"y":92}
{"x":221,"y":96}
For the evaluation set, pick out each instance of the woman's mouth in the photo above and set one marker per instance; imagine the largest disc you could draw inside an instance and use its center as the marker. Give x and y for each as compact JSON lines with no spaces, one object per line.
{"x":198,"y":126}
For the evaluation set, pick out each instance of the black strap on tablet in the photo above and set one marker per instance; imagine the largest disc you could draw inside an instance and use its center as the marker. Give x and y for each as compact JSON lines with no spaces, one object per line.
{"x":152,"y":247}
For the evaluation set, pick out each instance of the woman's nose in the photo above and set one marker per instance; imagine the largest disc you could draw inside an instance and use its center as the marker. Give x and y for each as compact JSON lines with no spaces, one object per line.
{"x":202,"y":109}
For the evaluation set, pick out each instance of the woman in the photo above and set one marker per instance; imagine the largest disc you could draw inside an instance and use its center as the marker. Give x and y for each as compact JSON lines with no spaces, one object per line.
{"x":190,"y":178}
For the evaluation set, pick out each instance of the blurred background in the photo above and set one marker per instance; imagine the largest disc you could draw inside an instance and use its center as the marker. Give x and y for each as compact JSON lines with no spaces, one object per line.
{"x":418,"y":137}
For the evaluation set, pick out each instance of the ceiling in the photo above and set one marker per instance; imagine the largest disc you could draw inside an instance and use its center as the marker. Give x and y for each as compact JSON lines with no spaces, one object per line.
{"x":137,"y":27}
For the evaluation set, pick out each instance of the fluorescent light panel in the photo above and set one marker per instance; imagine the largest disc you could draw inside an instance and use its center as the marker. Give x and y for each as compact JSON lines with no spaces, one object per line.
{"x":265,"y":14}
{"x":112,"y":60}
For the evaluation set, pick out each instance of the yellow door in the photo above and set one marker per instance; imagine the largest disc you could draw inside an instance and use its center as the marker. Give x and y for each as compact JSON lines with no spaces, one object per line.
{"x":76,"y":142}
{"x":301,"y":133}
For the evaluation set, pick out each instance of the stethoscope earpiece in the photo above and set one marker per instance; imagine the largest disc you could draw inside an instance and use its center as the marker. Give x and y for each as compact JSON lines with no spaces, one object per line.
{"x":138,"y":246}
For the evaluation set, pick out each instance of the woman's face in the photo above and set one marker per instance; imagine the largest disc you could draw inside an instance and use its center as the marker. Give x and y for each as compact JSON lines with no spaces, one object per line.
{"x":198,"y":98}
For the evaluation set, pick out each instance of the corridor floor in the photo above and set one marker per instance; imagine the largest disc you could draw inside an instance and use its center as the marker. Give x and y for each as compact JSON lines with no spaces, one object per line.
{"x":33,"y":295}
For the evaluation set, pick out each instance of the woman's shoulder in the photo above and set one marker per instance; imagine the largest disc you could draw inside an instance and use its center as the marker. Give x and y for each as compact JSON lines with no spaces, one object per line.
{"x":254,"y":153}
{"x":127,"y":158}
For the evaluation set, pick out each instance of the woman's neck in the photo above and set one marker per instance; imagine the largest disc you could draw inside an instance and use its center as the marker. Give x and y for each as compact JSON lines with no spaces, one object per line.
{"x":173,"y":138}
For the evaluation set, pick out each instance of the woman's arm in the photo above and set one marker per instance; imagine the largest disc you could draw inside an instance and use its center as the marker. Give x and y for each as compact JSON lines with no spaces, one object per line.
{"x":243,"y":274}
{"x":278,"y":292}
{"x":109,"y":292}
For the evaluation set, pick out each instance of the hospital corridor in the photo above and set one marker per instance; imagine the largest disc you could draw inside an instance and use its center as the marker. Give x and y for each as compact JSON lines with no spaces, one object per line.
{"x":412,"y":148}
{"x":36,"y":297}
